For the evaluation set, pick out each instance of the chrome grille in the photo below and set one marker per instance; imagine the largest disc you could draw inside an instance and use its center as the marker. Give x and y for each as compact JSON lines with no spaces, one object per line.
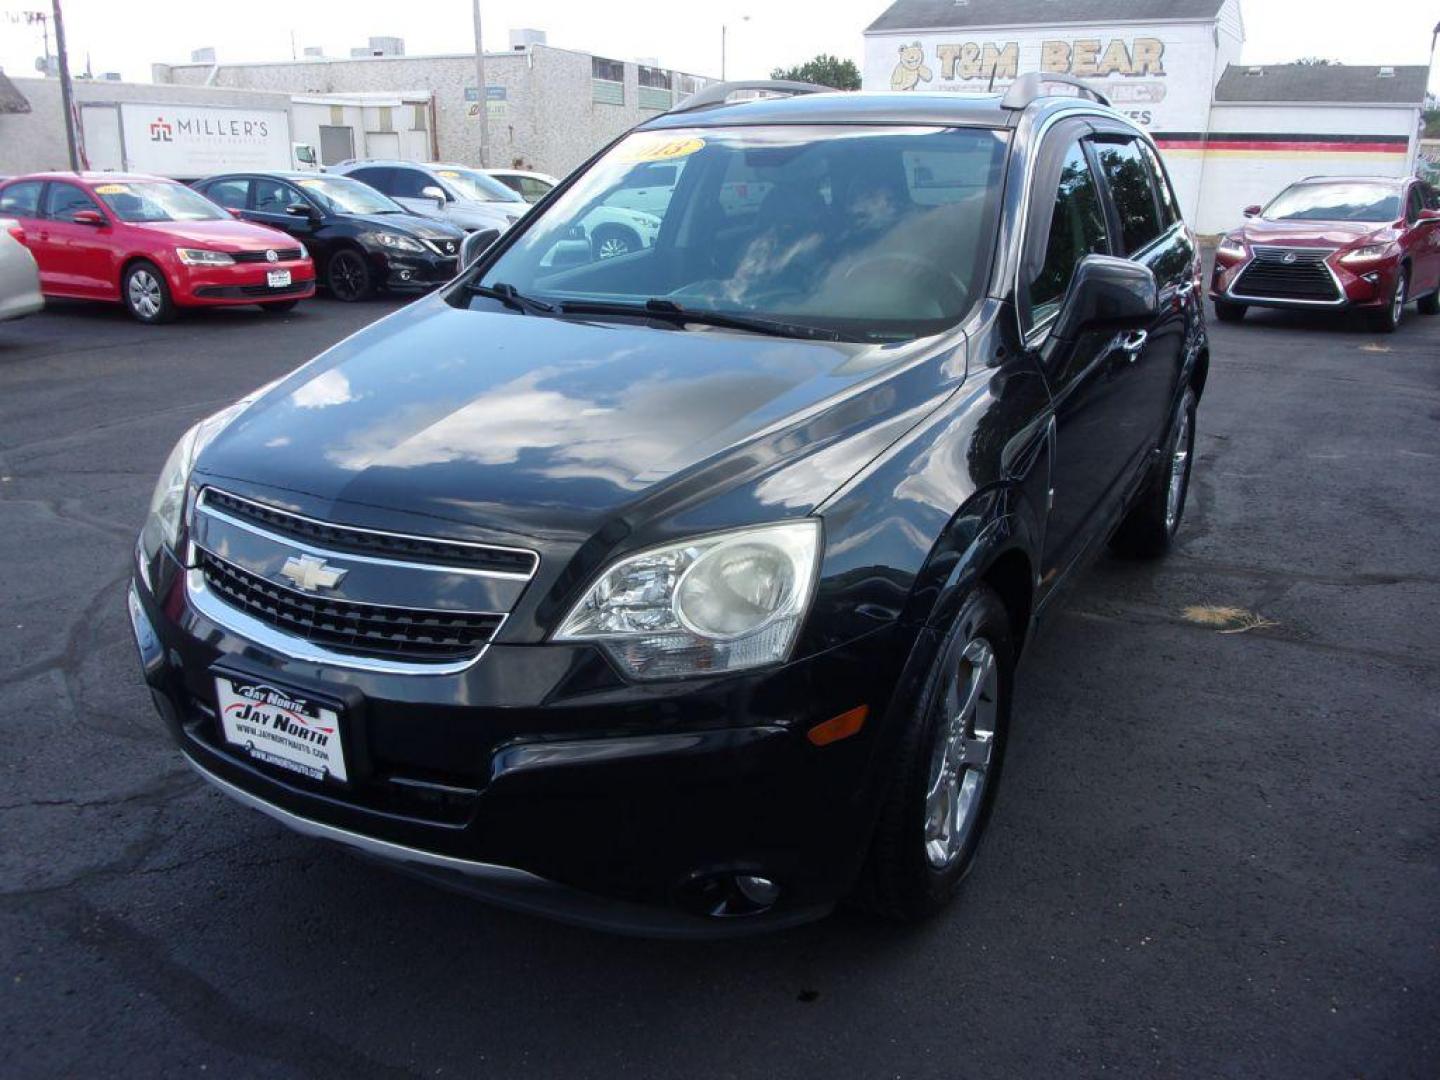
{"x":1287,"y":273}
{"x":354,"y":541}
{"x":345,"y":627}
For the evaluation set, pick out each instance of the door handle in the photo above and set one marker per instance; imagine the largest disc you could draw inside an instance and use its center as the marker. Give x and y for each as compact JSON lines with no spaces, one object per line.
{"x":1133,"y":343}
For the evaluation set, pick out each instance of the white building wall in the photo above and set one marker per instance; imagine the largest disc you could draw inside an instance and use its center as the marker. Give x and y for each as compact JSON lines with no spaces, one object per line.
{"x":1379,"y":141}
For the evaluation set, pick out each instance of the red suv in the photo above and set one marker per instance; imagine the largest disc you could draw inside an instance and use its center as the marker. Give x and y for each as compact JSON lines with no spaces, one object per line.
{"x":152,"y":244}
{"x":1335,"y":242}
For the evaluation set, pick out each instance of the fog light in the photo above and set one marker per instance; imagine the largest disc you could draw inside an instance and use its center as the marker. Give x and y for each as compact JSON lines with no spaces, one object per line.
{"x":404,"y":275}
{"x":728,"y":895}
{"x":1372,"y":278}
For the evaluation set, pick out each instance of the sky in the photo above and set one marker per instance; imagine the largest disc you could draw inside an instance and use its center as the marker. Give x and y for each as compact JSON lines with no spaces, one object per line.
{"x":681,"y":34}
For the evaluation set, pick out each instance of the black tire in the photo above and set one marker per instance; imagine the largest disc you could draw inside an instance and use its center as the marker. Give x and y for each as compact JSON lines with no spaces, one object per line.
{"x":146,"y":294}
{"x":899,"y":880}
{"x":348,"y":276}
{"x":608,"y":241}
{"x":1228,"y":311}
{"x":1149,"y":527}
{"x":1389,"y":320}
{"x":1429,"y":305}
{"x":279,"y":307}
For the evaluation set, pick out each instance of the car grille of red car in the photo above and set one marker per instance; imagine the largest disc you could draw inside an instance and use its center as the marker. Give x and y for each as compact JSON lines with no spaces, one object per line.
{"x":1282,"y":273}
{"x":281,"y":255}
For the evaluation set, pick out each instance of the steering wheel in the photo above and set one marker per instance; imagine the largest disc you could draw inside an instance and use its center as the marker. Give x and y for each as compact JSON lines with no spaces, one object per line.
{"x":950,"y":288}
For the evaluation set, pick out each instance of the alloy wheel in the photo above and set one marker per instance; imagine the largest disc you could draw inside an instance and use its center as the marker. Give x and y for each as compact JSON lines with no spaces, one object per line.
{"x":612,"y":246}
{"x":347,"y":276}
{"x":960,"y":761}
{"x":144,"y":294}
{"x":1397,"y":309}
{"x":1179,"y":472}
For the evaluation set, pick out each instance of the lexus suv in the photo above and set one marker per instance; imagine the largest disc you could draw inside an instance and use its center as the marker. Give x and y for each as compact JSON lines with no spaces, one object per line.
{"x":1334,"y":243}
{"x":680,"y":591}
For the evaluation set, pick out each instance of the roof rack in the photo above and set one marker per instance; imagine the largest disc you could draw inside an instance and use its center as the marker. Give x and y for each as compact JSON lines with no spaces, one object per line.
{"x":1029,"y":87}
{"x":719,"y":93}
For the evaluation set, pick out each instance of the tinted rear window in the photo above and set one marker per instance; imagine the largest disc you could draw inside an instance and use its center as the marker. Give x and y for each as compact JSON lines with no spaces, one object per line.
{"x":1130,"y":186}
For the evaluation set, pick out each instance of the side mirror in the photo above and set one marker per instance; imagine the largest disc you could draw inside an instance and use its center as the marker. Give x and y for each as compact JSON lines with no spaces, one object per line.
{"x":432,"y":192}
{"x":300,"y":210}
{"x":1430,"y":215}
{"x":1107,"y":294}
{"x":87,"y":217}
{"x":235,"y":212}
{"x":476,"y":244}
{"x":1253,"y":210}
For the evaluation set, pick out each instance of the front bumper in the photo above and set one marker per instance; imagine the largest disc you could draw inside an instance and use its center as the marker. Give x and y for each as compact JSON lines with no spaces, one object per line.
{"x":413,"y":270}
{"x":539,"y":780}
{"x":243,"y":283}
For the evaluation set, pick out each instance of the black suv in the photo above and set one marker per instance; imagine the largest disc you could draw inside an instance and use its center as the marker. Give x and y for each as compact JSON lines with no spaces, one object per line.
{"x":682,"y":590}
{"x":360,"y":240}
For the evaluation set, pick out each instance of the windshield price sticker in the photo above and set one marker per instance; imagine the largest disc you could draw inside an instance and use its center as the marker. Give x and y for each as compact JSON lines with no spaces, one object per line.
{"x":661,"y":149}
{"x":312,"y":183}
{"x":111,"y":189}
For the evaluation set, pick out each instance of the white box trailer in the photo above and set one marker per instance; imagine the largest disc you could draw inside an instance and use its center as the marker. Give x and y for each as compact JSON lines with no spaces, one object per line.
{"x":189,"y":141}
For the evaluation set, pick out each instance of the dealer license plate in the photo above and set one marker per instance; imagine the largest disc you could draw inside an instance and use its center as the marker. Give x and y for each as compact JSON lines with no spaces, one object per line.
{"x":277,"y":279}
{"x":281,"y":728}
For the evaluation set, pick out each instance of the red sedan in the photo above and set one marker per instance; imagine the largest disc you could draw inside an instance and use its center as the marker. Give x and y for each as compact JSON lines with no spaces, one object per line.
{"x":1331,"y":243}
{"x":151,"y":244}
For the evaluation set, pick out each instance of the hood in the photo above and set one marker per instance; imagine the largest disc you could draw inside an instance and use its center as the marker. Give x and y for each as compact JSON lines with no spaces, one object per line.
{"x":523,"y":426}
{"x":1313,"y":233}
{"x":486,"y":215}
{"x":411,"y":225}
{"x":223,"y":235}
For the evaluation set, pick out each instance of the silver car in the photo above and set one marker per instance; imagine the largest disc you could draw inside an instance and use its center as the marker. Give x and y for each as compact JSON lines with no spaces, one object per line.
{"x":19,"y":276}
{"x":455,"y":193}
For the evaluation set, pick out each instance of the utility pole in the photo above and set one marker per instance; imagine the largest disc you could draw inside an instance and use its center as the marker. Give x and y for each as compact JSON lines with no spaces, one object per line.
{"x":482,"y":101}
{"x":66,"y":97}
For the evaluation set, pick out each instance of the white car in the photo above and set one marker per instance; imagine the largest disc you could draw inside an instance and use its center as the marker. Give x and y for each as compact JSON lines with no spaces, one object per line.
{"x":19,"y":276}
{"x":622,"y":224}
{"x":455,"y":193}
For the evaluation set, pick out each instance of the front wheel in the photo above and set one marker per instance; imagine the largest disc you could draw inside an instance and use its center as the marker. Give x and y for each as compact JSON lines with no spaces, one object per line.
{"x":946,"y":770}
{"x":1228,"y":311}
{"x":348,"y":277}
{"x":146,"y":294}
{"x":1150,"y":525}
{"x":610,"y":241}
{"x":1388,"y":321}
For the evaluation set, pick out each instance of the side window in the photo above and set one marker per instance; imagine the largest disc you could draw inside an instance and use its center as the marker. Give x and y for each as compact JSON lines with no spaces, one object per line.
{"x":229,"y":193}
{"x":1077,"y":229}
{"x":1414,"y":205}
{"x":64,"y":201}
{"x":1169,"y":205}
{"x":377,"y":178}
{"x":1129,"y":181}
{"x":409,"y":183}
{"x":21,"y":200}
{"x":273,"y":196}
{"x":533,"y":189}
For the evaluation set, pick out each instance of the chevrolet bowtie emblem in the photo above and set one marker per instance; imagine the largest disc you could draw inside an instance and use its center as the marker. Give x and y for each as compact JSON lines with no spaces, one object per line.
{"x":310,"y":573}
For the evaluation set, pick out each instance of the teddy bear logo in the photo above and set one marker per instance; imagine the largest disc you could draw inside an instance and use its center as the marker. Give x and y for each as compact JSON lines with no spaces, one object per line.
{"x":911,"y":71}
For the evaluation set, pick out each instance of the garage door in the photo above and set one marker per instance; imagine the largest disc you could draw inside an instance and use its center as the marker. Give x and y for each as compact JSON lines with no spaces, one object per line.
{"x":337,"y":144}
{"x":382,"y":144}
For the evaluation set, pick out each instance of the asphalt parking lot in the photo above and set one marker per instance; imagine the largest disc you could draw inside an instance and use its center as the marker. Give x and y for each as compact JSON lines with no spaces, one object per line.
{"x":1216,"y":851}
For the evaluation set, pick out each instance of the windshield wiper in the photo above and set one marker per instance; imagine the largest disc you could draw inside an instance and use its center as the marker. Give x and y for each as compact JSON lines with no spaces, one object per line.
{"x":512,"y":297}
{"x":669,"y":311}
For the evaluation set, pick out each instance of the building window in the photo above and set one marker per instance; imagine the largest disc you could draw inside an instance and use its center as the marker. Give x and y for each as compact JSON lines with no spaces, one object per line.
{"x":418,"y":122}
{"x":607,"y":81}
{"x":655,"y":88}
{"x":688,"y":84}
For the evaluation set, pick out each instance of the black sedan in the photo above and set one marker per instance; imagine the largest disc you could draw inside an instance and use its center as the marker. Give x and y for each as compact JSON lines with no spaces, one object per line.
{"x":361,"y":240}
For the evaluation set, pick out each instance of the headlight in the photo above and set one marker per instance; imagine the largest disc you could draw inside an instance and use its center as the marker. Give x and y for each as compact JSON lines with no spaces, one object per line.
{"x":304,"y":251}
{"x":1231,"y":248}
{"x":397,"y":242}
{"x":711,"y":604}
{"x":167,"y":504}
{"x":203,"y":257}
{"x":1368,"y":251}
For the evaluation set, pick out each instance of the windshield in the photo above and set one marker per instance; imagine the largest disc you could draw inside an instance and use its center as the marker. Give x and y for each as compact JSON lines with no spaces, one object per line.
{"x":157,"y":200}
{"x":340,"y":195}
{"x":1336,"y":202}
{"x":872,"y":232}
{"x":469,"y":184}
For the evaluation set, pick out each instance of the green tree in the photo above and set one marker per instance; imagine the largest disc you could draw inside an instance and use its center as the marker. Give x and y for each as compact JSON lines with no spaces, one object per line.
{"x":826,"y":70}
